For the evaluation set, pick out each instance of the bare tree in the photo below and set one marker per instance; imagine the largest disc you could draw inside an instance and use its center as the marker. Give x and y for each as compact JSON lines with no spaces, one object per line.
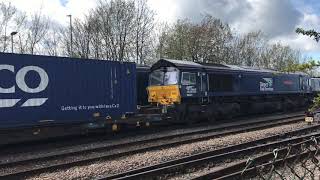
{"x":279,"y":57}
{"x":51,"y":43}
{"x":204,"y":42}
{"x":37,"y":29}
{"x":124,"y":30}
{"x":81,"y":38}
{"x":177,"y":41}
{"x":247,"y":49}
{"x":96,"y":37}
{"x":215,"y":39}
{"x":143,"y":29}
{"x":212,"y":41}
{"x":119,"y":30}
{"x":7,"y":14}
{"x":161,"y":32}
{"x":116,"y":20}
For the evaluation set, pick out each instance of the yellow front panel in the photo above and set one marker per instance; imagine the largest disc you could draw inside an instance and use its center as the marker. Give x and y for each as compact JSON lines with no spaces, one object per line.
{"x":164,"y":95}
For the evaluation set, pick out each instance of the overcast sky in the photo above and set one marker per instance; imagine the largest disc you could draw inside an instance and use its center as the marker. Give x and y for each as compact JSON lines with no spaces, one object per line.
{"x":278,"y":19}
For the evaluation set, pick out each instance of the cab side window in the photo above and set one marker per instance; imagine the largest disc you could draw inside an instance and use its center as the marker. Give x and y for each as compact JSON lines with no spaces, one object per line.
{"x":188,"y":78}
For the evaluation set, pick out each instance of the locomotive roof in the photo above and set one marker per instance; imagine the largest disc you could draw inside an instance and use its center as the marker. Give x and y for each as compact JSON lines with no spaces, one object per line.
{"x":175,"y":63}
{"x":210,"y":66}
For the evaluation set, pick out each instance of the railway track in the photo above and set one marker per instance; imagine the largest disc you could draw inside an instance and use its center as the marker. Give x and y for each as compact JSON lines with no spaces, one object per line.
{"x":99,"y":135}
{"x":173,"y":167}
{"x":241,"y":170}
{"x":102,"y":152}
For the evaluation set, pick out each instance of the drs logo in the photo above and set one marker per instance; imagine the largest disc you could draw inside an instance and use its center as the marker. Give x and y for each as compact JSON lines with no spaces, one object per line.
{"x":20,"y":82}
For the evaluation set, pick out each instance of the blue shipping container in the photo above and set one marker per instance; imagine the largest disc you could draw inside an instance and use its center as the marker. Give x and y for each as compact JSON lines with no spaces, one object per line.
{"x":35,"y":90}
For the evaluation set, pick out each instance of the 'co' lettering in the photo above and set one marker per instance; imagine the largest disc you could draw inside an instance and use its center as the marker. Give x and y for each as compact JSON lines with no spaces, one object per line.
{"x":20,"y":79}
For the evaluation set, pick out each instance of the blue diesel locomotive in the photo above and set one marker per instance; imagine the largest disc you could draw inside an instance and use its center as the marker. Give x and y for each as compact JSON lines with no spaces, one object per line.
{"x":187,"y":91}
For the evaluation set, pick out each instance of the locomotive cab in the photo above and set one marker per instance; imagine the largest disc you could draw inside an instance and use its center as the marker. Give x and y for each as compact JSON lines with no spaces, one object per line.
{"x":174,"y":84}
{"x":170,"y":81}
{"x":163,"y":86}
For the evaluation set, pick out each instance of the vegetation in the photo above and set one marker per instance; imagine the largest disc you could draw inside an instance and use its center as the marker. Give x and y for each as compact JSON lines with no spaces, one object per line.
{"x":126,"y":30}
{"x":311,"y":33}
{"x":316,"y":104}
{"x":212,"y":41}
{"x":306,"y":67}
{"x":120,"y":30}
{"x":311,"y":64}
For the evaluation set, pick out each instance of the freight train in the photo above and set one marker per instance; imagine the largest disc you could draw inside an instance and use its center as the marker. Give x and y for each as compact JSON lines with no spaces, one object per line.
{"x":38,"y":91}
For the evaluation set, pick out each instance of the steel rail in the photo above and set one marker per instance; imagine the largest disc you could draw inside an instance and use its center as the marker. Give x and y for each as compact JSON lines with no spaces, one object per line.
{"x":215,"y":155}
{"x":235,"y":171}
{"x":107,"y":147}
{"x":36,"y":170}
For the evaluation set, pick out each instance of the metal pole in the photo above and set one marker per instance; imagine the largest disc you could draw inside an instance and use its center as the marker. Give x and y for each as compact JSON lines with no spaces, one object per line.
{"x":71,"y":37}
{"x":12,"y":34}
{"x":71,"y":41}
{"x":11,"y":43}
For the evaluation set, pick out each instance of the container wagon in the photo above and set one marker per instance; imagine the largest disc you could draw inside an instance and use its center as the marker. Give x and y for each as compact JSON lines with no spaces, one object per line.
{"x":44,"y":91}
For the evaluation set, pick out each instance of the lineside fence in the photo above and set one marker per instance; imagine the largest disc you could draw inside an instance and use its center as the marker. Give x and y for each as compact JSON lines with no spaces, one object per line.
{"x":297,"y":161}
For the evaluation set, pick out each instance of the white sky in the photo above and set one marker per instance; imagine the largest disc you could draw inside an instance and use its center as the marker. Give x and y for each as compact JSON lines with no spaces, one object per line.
{"x":54,"y":8}
{"x":242,"y":15}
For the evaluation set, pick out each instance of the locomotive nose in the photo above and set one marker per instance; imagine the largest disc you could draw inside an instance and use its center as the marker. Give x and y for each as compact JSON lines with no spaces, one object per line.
{"x":164,"y":95}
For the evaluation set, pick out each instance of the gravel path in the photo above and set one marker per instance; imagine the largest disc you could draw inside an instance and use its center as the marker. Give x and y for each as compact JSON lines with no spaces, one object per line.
{"x":143,"y":159}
